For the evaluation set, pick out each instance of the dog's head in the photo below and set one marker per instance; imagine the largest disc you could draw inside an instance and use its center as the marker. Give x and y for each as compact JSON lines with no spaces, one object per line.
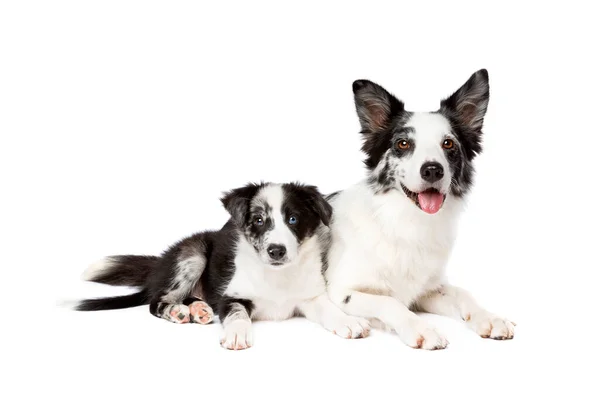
{"x":425,"y":155}
{"x":277,"y":219}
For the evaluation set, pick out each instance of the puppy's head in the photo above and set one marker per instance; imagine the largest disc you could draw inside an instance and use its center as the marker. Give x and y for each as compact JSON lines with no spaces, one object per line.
{"x":277,"y":218}
{"x":427,"y":156}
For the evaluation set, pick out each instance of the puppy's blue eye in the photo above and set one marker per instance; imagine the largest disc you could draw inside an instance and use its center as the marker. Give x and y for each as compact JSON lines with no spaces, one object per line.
{"x":259,"y":221}
{"x":293,"y":220}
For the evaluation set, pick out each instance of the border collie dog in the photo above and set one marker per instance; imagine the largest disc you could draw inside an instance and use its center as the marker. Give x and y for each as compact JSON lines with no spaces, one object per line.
{"x":393,"y":232}
{"x":264,"y":264}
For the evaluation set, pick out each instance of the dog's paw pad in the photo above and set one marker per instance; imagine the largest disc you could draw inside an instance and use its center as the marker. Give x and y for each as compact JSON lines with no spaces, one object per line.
{"x":178,"y":314}
{"x":201,"y":312}
{"x":237,"y":335}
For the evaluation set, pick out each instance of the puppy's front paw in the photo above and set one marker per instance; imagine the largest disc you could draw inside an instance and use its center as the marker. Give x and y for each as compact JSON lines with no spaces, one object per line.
{"x":491,"y":326}
{"x":237,"y":335}
{"x":419,"y":335}
{"x":351,"y":327}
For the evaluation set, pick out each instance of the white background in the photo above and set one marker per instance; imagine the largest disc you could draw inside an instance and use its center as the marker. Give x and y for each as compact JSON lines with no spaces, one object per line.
{"x":123,"y":121}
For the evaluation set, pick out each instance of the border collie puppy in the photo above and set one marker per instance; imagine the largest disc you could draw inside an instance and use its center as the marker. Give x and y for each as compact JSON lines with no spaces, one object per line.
{"x":264,"y":264}
{"x":393,"y":232}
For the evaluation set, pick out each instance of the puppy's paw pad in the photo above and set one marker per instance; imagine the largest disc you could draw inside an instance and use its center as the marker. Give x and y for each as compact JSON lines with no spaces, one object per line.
{"x":237,"y":335}
{"x":178,"y":314}
{"x":352,"y":328}
{"x":201,"y":312}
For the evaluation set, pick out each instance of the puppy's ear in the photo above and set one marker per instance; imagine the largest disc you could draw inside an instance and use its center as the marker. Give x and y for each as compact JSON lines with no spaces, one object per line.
{"x":237,"y":202}
{"x":468,"y":104}
{"x":374,"y":105}
{"x":317,"y":203}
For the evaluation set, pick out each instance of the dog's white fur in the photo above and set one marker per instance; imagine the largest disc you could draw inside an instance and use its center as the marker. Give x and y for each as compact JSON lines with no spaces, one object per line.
{"x":388,"y":256}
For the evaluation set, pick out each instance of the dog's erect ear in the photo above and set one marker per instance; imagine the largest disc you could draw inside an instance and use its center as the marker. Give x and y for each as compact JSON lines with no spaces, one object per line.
{"x":374,"y":105}
{"x":237,"y":202}
{"x":469,"y":103}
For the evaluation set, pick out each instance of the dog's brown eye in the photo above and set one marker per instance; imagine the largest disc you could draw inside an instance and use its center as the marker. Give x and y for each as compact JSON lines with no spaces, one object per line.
{"x":448,"y":144}
{"x":403,"y":145}
{"x":258,"y":221}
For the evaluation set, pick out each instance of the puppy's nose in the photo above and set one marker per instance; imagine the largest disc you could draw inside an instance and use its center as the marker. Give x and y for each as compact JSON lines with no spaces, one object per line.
{"x":432,"y":171}
{"x":276,"y":251}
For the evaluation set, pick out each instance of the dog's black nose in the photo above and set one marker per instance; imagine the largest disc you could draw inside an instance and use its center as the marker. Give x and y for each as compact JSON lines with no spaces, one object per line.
{"x":432,"y":171}
{"x":276,"y":251}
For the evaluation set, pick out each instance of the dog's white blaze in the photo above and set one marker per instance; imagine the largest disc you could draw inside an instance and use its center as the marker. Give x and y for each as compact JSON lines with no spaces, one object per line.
{"x":281,"y":233}
{"x":430,"y":131}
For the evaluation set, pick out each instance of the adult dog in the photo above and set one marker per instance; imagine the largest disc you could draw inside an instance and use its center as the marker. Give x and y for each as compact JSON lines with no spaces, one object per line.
{"x":392,"y":233}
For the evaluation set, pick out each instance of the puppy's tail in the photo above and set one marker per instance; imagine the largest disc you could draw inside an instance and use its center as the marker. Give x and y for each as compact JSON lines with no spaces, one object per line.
{"x":114,"y":303}
{"x":126,"y":270}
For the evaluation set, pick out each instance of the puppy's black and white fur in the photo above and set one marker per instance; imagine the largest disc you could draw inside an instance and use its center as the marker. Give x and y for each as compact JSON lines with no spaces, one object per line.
{"x":264,"y":264}
{"x":393,"y":232}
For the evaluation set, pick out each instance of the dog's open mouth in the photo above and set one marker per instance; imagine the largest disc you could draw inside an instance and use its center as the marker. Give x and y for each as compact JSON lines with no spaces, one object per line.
{"x":430,"y":200}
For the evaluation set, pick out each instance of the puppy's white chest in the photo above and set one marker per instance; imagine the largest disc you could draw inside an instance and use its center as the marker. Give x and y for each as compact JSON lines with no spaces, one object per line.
{"x":274,"y":293}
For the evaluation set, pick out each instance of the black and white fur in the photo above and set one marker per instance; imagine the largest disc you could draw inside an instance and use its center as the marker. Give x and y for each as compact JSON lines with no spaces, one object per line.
{"x":393,"y":232}
{"x":264,"y":264}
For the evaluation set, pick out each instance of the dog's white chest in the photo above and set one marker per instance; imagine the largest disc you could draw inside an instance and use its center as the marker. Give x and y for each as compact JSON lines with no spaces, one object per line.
{"x":275,"y":293}
{"x":387,"y":248}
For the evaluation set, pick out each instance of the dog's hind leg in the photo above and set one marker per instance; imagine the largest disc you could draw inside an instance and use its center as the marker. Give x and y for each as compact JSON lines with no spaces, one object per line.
{"x":179,"y":301}
{"x":177,"y":313}
{"x":200,"y":311}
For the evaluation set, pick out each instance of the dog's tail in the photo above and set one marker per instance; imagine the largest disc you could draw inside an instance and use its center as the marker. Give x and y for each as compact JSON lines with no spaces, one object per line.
{"x":114,"y":303}
{"x":126,"y":270}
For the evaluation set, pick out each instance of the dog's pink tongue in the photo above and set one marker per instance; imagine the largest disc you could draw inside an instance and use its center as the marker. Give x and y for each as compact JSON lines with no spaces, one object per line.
{"x":431,"y":202}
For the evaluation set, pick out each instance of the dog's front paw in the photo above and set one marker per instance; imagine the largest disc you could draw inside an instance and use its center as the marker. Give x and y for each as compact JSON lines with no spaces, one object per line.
{"x":419,"y":335}
{"x":491,"y":326}
{"x":350,"y":327}
{"x":237,"y":335}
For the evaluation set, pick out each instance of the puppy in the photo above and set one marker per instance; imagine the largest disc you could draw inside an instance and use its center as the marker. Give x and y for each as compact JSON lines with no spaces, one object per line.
{"x":264,"y":264}
{"x":393,"y":232}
